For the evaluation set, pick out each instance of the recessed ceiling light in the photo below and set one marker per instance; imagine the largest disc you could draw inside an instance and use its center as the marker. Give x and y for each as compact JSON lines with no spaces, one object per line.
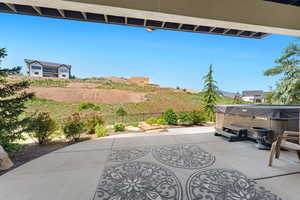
{"x":150,"y":30}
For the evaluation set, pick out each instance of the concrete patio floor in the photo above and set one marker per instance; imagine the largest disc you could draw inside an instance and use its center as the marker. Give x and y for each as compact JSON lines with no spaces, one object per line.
{"x":86,"y":170}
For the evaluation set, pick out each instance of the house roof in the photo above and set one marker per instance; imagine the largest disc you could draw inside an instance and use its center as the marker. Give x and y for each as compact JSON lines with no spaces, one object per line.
{"x":49,"y":64}
{"x":252,"y":93}
{"x":228,"y":94}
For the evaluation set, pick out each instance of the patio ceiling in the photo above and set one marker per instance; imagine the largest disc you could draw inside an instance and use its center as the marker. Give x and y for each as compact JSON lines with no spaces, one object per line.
{"x":122,"y":20}
{"x":289,"y":2}
{"x":250,"y":18}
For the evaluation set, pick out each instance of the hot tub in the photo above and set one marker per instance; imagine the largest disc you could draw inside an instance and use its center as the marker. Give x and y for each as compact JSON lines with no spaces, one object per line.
{"x":277,"y":118}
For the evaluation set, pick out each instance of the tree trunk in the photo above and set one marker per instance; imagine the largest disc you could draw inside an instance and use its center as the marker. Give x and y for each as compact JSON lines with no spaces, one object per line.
{"x":5,"y":162}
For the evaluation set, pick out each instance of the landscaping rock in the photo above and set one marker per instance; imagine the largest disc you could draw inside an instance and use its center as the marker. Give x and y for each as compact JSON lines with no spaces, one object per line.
{"x":133,"y":129}
{"x":144,"y":126}
{"x":5,"y":162}
{"x":147,"y":127}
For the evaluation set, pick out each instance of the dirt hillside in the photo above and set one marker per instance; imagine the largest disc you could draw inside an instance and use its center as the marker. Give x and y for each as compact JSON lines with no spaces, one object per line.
{"x":91,"y":95}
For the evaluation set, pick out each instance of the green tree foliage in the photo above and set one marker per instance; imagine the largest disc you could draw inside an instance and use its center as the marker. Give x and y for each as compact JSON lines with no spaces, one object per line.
{"x":91,"y":123}
{"x":269,"y":96}
{"x":161,"y":121}
{"x":185,"y":119}
{"x":191,"y":118}
{"x":237,"y":99}
{"x":12,"y":106}
{"x":288,"y":65}
{"x":101,"y":131}
{"x":42,"y":127}
{"x":152,"y":120}
{"x":74,"y":127}
{"x":170,"y":116}
{"x":121,"y":112}
{"x":119,"y":127}
{"x":210,"y":94}
{"x":89,"y":105}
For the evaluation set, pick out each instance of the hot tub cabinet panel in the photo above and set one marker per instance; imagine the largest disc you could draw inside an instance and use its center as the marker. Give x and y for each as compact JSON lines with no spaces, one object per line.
{"x":276,"y":118}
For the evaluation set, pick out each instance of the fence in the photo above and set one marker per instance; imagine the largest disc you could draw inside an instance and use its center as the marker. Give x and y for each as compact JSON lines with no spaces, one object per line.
{"x":131,"y":118}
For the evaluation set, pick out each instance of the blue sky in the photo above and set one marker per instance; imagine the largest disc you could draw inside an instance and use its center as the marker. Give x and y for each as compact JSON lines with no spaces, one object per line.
{"x":169,"y":58}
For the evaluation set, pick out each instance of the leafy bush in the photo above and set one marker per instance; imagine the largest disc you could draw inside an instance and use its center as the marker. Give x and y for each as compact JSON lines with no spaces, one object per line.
{"x":191,"y":118}
{"x":119,"y":127}
{"x":96,"y":108}
{"x":101,"y":131}
{"x":88,"y":105}
{"x":161,"y":121}
{"x":121,"y":112}
{"x":185,"y":119}
{"x":170,"y":117}
{"x":11,"y":147}
{"x":151,"y":120}
{"x":134,"y":124}
{"x":42,"y":127}
{"x":74,"y":127}
{"x":197,"y":116}
{"x":92,"y":122}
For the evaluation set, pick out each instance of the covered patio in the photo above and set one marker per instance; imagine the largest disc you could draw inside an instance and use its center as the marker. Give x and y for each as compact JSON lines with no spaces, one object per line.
{"x":180,"y":164}
{"x":184,"y":163}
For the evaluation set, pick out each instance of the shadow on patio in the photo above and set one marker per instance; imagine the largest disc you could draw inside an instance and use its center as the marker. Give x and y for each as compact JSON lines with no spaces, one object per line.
{"x":185,"y":163}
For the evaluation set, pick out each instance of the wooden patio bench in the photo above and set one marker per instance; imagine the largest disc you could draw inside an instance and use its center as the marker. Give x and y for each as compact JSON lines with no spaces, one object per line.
{"x":284,"y":141}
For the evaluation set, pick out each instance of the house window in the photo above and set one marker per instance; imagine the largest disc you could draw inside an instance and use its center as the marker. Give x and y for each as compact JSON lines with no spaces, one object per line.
{"x":63,"y":75}
{"x":49,"y":70}
{"x":63,"y":70}
{"x":36,"y":67}
{"x":36,"y":73}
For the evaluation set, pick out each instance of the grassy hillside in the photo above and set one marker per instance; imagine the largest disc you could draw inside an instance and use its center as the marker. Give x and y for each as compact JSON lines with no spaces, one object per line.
{"x":158,"y":99}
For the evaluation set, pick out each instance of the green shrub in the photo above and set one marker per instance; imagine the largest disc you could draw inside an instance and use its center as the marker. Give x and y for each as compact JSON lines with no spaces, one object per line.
{"x":170,"y":117}
{"x":42,"y":127}
{"x":121,"y":112}
{"x":197,"y":116}
{"x":13,"y":147}
{"x":74,"y":127}
{"x":92,"y":122}
{"x":191,"y":118}
{"x":119,"y":127}
{"x":151,"y":120}
{"x":88,"y":105}
{"x":101,"y":131}
{"x":185,"y":119}
{"x":161,"y":121}
{"x":134,"y":124}
{"x":96,"y":108}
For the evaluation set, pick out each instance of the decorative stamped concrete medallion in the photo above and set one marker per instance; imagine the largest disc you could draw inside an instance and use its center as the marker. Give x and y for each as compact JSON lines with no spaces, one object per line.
{"x":225,"y":184}
{"x":138,"y":181}
{"x":125,"y":155}
{"x":187,"y":156}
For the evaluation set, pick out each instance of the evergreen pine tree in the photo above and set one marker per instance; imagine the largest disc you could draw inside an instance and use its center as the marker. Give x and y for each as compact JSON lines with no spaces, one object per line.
{"x":237,"y":99}
{"x":288,"y":88}
{"x":210,"y":94}
{"x":12,"y":106}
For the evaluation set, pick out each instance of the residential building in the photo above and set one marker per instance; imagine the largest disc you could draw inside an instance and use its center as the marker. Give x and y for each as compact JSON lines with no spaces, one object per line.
{"x":230,"y":95}
{"x":48,"y":69}
{"x":255,"y":96}
{"x":140,"y":80}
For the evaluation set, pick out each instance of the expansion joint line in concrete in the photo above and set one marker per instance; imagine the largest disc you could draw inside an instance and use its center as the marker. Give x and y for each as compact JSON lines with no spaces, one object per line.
{"x":275,"y":176}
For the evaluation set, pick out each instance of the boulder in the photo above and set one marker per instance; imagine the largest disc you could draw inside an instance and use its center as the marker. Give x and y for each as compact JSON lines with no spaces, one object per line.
{"x":133,"y":129}
{"x":147,"y":127}
{"x":5,"y":162}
